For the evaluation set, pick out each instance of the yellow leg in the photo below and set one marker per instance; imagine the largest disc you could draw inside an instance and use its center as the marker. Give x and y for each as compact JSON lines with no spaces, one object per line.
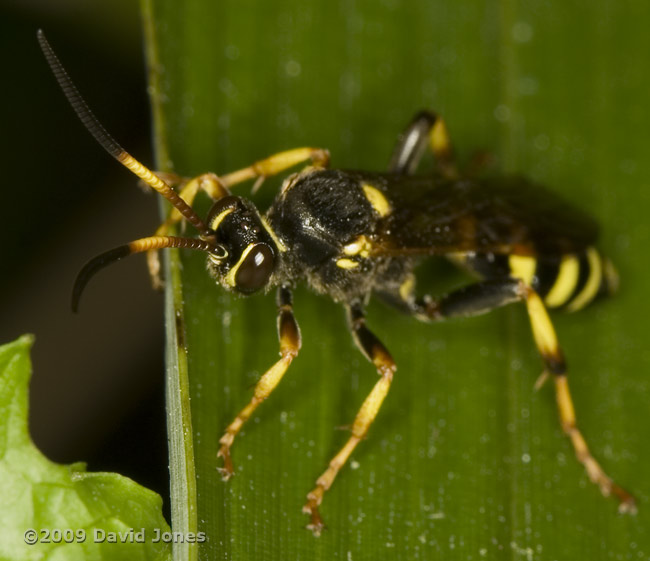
{"x":277,"y":163}
{"x":379,"y":356}
{"x":490,"y":294}
{"x":217,"y":187}
{"x":548,"y":347}
{"x":289,"y":335}
{"x":207,"y":182}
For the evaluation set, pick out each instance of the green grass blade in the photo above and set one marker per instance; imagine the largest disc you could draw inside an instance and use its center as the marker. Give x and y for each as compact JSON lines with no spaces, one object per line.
{"x":465,"y":461}
{"x":179,"y":415}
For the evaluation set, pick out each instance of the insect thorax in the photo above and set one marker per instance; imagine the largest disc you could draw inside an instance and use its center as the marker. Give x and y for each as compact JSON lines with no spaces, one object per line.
{"x":326,"y":221}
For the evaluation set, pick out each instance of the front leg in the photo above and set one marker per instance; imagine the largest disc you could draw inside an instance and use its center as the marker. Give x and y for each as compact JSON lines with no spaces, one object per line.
{"x":289,"y":335}
{"x":376,"y":353}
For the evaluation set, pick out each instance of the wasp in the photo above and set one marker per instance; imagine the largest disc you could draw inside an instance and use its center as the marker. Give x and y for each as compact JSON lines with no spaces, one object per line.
{"x":351,"y":235}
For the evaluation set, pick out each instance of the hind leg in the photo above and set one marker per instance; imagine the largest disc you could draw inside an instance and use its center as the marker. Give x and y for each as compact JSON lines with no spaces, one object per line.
{"x":484,"y":296}
{"x":425,"y":129}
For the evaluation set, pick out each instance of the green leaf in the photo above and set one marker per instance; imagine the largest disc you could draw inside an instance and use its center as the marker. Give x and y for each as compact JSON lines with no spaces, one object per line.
{"x":66,"y":512}
{"x":465,"y":460}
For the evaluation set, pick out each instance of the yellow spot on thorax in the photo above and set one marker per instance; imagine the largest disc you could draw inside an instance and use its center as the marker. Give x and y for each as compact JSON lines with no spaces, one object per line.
{"x":346,"y":263}
{"x":361,"y":246}
{"x":377,"y":200}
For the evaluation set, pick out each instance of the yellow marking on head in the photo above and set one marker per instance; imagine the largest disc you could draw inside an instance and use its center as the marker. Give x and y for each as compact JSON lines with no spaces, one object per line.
{"x":377,"y":200}
{"x":406,"y":288}
{"x":346,"y":263}
{"x":439,"y":137}
{"x":278,"y":241}
{"x":229,"y":279}
{"x":522,"y":267}
{"x":565,"y":282}
{"x":592,"y":285}
{"x":216,"y":221}
{"x":361,"y":246}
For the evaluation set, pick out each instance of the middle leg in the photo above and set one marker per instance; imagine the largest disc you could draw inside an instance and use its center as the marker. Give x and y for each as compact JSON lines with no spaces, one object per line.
{"x":376,"y":353}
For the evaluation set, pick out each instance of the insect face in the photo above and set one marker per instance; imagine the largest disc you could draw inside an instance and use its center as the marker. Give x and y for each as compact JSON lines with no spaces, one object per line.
{"x":251,"y":251}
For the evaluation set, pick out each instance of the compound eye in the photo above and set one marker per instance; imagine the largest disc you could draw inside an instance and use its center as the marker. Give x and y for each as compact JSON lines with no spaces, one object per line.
{"x":255,"y":269}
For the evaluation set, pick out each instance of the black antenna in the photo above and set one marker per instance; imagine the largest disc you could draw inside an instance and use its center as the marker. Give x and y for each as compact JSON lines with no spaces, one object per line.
{"x":110,"y":145}
{"x":138,"y":246}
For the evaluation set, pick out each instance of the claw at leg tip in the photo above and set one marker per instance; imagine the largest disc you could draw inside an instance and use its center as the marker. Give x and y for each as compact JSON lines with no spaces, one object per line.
{"x":315,"y":529}
{"x":225,"y":473}
{"x":316,"y":524}
{"x":628,"y":506}
{"x":227,"y":470}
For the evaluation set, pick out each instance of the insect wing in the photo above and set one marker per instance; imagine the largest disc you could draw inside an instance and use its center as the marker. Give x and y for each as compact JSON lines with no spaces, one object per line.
{"x":436,"y":216}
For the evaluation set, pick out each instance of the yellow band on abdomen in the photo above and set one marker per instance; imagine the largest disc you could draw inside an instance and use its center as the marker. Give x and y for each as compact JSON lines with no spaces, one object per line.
{"x":590,"y":289}
{"x":565,"y":283}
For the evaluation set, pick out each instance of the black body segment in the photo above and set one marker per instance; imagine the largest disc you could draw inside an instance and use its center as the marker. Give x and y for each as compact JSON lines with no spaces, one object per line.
{"x":479,"y":298}
{"x":317,"y":217}
{"x":319,"y":214}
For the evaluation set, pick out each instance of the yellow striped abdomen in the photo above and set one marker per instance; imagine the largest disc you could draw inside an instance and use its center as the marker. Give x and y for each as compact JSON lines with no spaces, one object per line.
{"x":570,"y":282}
